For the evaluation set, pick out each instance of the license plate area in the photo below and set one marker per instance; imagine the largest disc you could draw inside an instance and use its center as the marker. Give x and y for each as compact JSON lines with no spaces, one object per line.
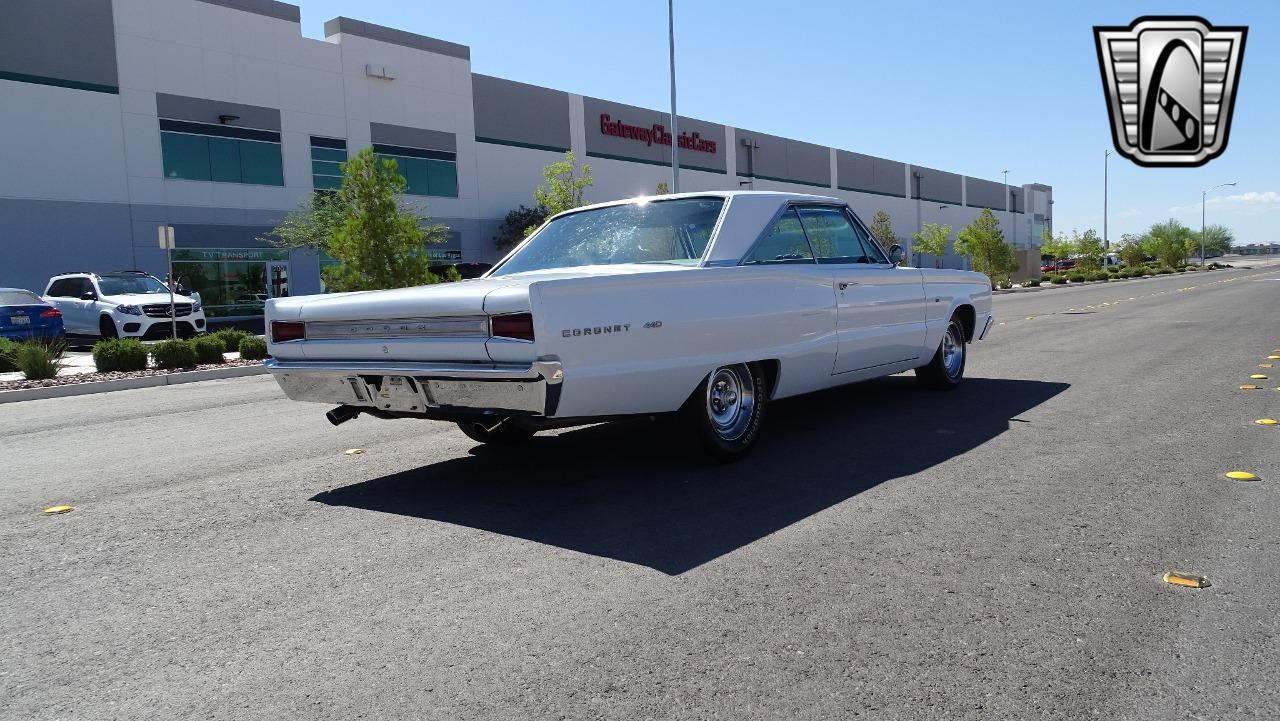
{"x":395,"y":393}
{"x":20,"y":320}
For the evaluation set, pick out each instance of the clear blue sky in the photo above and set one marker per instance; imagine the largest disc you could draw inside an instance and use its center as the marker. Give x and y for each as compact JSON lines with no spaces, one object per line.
{"x":968,"y":87}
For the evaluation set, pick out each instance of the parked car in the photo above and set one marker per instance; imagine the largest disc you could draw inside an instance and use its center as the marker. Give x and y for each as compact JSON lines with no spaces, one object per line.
{"x":1048,"y":266}
{"x":121,"y":304}
{"x":24,"y":315}
{"x":1065,"y":264}
{"x":709,"y":305}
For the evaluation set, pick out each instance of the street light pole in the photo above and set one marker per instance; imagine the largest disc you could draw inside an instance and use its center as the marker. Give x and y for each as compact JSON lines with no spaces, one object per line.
{"x":675,"y":122}
{"x":1204,"y":194}
{"x":1007,"y":205}
{"x":1105,"y":158}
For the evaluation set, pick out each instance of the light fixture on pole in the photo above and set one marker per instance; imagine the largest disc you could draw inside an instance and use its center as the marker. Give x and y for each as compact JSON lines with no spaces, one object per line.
{"x":1204,"y":194}
{"x":675,"y":122}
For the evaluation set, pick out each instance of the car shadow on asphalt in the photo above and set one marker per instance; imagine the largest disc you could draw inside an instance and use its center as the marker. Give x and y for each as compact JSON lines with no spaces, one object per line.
{"x":620,"y":491}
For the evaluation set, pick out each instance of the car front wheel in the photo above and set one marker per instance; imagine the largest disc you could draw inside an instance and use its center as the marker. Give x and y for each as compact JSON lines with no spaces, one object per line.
{"x":726,"y":411}
{"x":106,"y":327}
{"x":945,"y":370}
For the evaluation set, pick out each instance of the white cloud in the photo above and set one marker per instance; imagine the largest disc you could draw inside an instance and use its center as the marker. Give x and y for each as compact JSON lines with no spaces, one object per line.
{"x":1252,"y":202}
{"x":1130,"y":213}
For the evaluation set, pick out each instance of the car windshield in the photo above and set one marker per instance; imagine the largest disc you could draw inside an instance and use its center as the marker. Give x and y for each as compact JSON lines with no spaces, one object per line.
{"x":19,"y":297}
{"x":660,"y":231}
{"x":130,"y":284}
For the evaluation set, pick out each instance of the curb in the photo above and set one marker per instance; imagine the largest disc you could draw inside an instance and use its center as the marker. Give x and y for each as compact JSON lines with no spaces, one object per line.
{"x":125,"y":384}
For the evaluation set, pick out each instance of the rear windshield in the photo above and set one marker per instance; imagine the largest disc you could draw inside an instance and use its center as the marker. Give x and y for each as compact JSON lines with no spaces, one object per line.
{"x":19,"y":297}
{"x":130,"y":284}
{"x":658,"y":231}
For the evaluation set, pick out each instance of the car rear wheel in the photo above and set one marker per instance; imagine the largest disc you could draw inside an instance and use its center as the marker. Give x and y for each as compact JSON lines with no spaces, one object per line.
{"x":498,"y":431}
{"x":106,"y":327}
{"x":946,"y":369}
{"x":726,"y":411}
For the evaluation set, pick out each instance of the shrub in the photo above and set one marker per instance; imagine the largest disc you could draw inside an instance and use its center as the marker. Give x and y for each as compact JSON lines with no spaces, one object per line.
{"x":1076,"y":277}
{"x":253,"y":348}
{"x":8,"y":351}
{"x":39,"y":360}
{"x":119,"y":354}
{"x":1005,"y":284}
{"x":230,"y":338}
{"x":174,"y":353}
{"x":1058,"y":279}
{"x":208,"y":349}
{"x":1031,"y":283}
{"x":1164,"y":271}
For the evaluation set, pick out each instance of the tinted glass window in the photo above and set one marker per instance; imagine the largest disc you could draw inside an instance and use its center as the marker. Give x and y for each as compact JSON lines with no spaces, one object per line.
{"x":82,"y":286}
{"x":19,"y":297}
{"x":784,"y":243}
{"x":128,"y":284}
{"x":832,"y":236}
{"x":185,"y":156}
{"x":260,"y":163}
{"x":661,"y":231}
{"x":870,"y":246}
{"x":60,"y":288}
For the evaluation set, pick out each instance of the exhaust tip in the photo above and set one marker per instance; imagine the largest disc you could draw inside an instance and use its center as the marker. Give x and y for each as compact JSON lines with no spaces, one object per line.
{"x":342,"y":414}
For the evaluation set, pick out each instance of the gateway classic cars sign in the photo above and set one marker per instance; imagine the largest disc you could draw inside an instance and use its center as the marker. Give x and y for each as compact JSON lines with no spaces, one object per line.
{"x":657,"y":133}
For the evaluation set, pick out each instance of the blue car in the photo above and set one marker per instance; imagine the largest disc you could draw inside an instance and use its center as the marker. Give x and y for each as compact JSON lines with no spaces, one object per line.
{"x":25,"y":315}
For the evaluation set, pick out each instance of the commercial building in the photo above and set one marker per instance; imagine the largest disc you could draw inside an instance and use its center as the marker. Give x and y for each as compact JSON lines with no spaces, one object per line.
{"x":218,"y":117}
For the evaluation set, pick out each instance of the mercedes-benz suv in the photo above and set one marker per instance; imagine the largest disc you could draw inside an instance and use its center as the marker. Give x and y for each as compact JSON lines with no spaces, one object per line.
{"x":122,"y":304}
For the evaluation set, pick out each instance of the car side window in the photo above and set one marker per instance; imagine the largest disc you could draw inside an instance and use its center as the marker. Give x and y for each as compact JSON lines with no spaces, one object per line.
{"x":784,"y":243}
{"x":832,"y":236}
{"x":82,"y":286}
{"x":869,"y":245}
{"x":59,"y":288}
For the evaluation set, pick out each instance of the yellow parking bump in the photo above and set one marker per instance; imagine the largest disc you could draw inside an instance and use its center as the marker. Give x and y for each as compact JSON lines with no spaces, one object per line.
{"x":1264,"y":365}
{"x":1273,"y":357}
{"x":1186,"y":579}
{"x":353,"y":451}
{"x":1258,"y":377}
{"x":1266,"y":421}
{"x":54,"y":510}
{"x":1240,"y":476}
{"x":1250,"y":387}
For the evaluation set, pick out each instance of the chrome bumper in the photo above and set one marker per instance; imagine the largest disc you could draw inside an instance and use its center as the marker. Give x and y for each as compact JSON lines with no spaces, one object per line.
{"x":532,"y":389}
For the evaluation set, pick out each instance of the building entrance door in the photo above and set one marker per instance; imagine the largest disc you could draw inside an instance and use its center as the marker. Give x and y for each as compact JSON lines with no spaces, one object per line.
{"x":277,"y":279}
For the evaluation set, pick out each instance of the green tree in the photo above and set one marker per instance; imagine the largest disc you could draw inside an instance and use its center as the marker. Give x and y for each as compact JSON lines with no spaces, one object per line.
{"x":1131,"y":250}
{"x":311,"y":226}
{"x":378,"y":244}
{"x":566,"y":185}
{"x":882,"y":231}
{"x":1089,"y":250}
{"x":1217,"y":240}
{"x":663,"y":189}
{"x":517,"y":226}
{"x":932,"y":240}
{"x":1167,"y":242}
{"x":1056,"y":247}
{"x":982,"y":242}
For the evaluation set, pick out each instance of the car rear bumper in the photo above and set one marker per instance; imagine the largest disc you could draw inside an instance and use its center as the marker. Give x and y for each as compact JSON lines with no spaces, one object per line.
{"x":422,"y":388}
{"x":21,"y":333}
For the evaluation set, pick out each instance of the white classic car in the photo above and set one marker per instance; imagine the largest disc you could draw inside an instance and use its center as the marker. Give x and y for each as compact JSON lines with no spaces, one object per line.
{"x":709,"y":305}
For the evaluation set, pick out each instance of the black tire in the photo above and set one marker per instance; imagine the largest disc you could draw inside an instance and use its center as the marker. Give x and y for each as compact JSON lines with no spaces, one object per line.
{"x":727,"y":410}
{"x":946,"y":369}
{"x":497,"y":432}
{"x":107,"y":327}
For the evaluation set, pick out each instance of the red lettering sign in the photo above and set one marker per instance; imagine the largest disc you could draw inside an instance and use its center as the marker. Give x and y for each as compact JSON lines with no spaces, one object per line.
{"x":657,"y":133}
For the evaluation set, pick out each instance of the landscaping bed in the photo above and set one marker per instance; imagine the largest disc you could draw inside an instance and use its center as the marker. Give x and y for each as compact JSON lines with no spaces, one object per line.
{"x":96,"y":377}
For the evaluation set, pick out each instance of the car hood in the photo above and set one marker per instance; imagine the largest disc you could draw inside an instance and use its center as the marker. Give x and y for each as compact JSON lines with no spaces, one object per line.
{"x":144,"y":299}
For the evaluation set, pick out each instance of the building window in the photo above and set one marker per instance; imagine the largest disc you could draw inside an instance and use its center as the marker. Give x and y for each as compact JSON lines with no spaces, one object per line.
{"x":327,"y":157}
{"x":233,"y":282}
{"x":220,"y":153}
{"x":426,"y":172}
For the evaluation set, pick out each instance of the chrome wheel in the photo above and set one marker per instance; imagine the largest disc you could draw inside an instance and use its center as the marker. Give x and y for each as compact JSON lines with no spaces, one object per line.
{"x":953,"y":351}
{"x":731,"y":400}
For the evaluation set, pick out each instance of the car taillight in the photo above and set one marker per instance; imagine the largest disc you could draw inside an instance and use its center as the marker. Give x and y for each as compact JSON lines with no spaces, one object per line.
{"x":50,"y":313}
{"x":287,"y":330}
{"x":514,"y":325}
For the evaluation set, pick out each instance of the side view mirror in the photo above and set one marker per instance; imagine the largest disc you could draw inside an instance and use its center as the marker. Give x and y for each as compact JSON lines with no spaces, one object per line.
{"x":88,"y":295}
{"x":896,"y":254}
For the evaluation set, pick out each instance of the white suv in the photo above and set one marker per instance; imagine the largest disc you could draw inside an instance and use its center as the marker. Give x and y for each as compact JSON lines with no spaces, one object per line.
{"x":126,"y":303}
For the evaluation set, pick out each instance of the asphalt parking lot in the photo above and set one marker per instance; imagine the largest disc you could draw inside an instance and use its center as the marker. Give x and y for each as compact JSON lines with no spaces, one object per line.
{"x":992,"y":553}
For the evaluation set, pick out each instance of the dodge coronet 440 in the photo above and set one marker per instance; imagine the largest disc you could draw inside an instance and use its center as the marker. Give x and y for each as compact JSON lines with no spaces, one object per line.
{"x":706,"y":305}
